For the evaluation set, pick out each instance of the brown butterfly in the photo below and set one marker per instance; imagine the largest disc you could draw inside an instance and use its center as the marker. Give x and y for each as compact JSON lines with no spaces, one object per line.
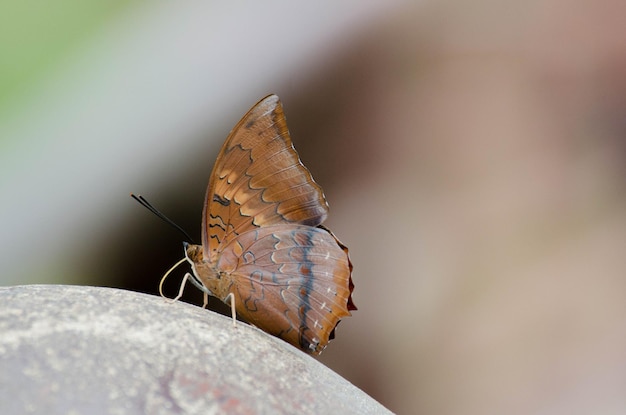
{"x":263,"y":246}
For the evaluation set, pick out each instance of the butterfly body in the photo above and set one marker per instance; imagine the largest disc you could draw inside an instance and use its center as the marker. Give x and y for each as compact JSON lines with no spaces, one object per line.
{"x":262,"y":238}
{"x":216,"y":281}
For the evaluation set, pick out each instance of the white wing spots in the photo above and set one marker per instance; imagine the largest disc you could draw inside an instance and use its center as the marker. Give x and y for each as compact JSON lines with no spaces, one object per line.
{"x":224,"y":173}
{"x":314,"y":343}
{"x":327,"y":255}
{"x":329,"y":290}
{"x":323,"y":305}
{"x":230,"y":179}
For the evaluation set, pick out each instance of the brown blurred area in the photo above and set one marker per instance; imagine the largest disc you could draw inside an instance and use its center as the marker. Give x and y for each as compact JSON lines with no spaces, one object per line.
{"x":473,"y":156}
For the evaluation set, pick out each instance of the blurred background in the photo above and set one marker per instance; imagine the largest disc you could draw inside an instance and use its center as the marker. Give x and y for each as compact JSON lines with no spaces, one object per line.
{"x":473,"y":154}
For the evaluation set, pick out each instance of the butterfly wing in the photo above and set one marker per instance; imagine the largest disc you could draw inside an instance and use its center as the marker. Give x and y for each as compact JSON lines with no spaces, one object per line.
{"x":258,"y":180}
{"x":262,"y":238}
{"x":292,"y":281}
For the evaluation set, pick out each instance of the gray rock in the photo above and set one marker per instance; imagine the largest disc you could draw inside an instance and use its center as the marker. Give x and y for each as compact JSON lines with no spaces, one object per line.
{"x":88,"y":350}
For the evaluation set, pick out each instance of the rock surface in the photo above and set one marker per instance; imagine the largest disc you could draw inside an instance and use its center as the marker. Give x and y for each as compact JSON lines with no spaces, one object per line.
{"x":75,"y":349}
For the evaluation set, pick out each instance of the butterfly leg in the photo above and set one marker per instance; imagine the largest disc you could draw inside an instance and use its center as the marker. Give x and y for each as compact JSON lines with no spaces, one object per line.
{"x":180,"y":290}
{"x":206,"y":300}
{"x":231,"y":298}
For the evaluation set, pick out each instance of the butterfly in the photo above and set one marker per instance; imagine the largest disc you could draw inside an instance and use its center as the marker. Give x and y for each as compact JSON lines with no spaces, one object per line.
{"x":264,"y":249}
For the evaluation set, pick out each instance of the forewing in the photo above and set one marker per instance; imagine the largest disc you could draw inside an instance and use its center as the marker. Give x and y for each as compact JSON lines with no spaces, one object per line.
{"x":258,"y":180}
{"x":291,"y":281}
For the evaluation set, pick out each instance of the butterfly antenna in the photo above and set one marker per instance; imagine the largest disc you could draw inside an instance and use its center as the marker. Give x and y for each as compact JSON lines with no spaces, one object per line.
{"x":143,"y":202}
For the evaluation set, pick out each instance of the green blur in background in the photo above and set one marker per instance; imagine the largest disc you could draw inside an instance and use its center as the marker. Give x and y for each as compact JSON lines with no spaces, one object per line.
{"x":35,"y":36}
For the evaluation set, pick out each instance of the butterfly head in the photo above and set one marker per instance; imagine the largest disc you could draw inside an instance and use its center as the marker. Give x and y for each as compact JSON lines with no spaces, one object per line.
{"x":193,"y":253}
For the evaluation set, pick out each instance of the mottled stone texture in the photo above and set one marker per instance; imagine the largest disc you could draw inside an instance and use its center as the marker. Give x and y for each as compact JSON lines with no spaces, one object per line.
{"x":75,"y":349}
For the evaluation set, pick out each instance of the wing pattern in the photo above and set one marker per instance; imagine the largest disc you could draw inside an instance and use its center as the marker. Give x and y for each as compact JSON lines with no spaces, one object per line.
{"x":262,"y":238}
{"x":292,"y":281}
{"x":259,"y":180}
